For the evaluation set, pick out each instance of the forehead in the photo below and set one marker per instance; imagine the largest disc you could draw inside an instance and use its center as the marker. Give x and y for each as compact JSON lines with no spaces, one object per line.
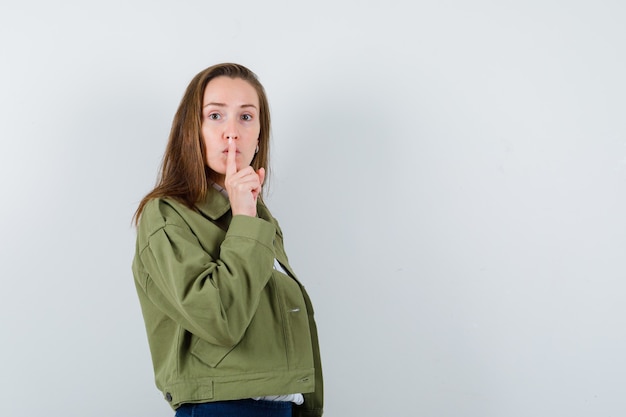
{"x":226,"y":90}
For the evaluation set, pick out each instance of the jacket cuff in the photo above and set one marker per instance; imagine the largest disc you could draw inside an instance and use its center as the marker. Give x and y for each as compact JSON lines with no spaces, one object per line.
{"x":253,"y":228}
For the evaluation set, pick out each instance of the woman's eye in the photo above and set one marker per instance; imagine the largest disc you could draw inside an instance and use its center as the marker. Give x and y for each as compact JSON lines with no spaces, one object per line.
{"x":214,"y":116}
{"x":246,"y":117}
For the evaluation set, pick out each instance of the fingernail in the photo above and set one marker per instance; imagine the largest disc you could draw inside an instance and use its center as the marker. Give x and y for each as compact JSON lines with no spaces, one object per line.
{"x":230,"y":140}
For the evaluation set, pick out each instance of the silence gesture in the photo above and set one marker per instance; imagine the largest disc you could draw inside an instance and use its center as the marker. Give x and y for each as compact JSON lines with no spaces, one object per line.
{"x":243,"y":186}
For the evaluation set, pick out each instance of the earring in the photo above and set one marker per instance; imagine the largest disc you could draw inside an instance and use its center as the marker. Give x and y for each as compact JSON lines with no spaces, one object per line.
{"x":257,"y":149}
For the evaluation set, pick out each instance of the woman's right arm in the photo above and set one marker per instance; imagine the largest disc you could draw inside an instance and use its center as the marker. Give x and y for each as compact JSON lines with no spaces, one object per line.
{"x":215,"y":299}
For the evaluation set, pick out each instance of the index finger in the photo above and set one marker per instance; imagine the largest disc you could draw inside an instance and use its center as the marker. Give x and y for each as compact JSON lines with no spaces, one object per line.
{"x":231,"y":162}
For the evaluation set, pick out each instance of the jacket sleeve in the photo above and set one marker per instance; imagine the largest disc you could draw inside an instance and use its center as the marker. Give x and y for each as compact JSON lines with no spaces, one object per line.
{"x":215,"y":299}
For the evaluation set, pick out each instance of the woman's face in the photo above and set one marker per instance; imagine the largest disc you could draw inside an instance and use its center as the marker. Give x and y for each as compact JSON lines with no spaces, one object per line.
{"x":230,"y":109}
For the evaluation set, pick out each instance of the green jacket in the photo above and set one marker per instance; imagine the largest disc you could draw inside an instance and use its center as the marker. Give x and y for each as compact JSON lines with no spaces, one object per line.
{"x":222,"y":323}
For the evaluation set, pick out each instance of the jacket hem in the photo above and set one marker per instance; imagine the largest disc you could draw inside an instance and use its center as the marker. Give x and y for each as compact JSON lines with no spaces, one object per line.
{"x":210,"y":389}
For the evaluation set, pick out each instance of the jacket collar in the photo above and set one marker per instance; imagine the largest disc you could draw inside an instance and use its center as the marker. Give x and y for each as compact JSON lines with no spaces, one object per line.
{"x":215,"y":205}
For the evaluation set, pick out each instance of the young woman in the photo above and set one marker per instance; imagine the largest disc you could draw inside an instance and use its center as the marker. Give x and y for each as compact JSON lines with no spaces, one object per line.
{"x":230,"y":327}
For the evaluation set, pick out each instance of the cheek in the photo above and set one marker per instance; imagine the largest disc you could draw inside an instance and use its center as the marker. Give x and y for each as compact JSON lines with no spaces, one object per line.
{"x":210,"y":140}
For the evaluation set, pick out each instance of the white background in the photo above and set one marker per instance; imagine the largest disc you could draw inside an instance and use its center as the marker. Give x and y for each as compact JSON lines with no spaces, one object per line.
{"x":449,"y":176}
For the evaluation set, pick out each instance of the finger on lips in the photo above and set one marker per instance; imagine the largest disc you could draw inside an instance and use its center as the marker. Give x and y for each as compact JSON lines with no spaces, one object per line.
{"x":247,"y":177}
{"x":231,"y":158}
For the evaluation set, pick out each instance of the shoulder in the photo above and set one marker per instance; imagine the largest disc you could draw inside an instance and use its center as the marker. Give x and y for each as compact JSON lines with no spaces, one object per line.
{"x":159,"y":213}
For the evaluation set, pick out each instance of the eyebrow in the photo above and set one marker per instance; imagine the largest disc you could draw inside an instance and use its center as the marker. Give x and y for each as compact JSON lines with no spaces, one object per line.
{"x":224,"y":105}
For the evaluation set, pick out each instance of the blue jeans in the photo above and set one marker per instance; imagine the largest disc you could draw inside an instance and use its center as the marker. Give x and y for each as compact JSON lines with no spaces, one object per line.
{"x":238,"y":408}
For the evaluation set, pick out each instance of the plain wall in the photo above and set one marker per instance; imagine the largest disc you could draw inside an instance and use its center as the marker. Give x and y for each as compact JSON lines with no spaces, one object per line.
{"x":449,"y":176}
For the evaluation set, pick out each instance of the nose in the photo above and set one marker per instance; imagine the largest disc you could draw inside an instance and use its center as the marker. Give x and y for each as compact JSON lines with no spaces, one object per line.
{"x":230,"y":131}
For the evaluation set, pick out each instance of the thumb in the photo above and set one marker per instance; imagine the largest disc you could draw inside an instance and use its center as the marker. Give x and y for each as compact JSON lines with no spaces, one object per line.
{"x":261,"y":174}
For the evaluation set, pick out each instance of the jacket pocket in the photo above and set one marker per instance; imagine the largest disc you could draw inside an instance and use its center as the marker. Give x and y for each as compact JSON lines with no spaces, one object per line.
{"x":208,"y":353}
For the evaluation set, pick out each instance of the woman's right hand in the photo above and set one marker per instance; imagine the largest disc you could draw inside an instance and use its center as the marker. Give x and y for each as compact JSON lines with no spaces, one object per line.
{"x":243,"y":186}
